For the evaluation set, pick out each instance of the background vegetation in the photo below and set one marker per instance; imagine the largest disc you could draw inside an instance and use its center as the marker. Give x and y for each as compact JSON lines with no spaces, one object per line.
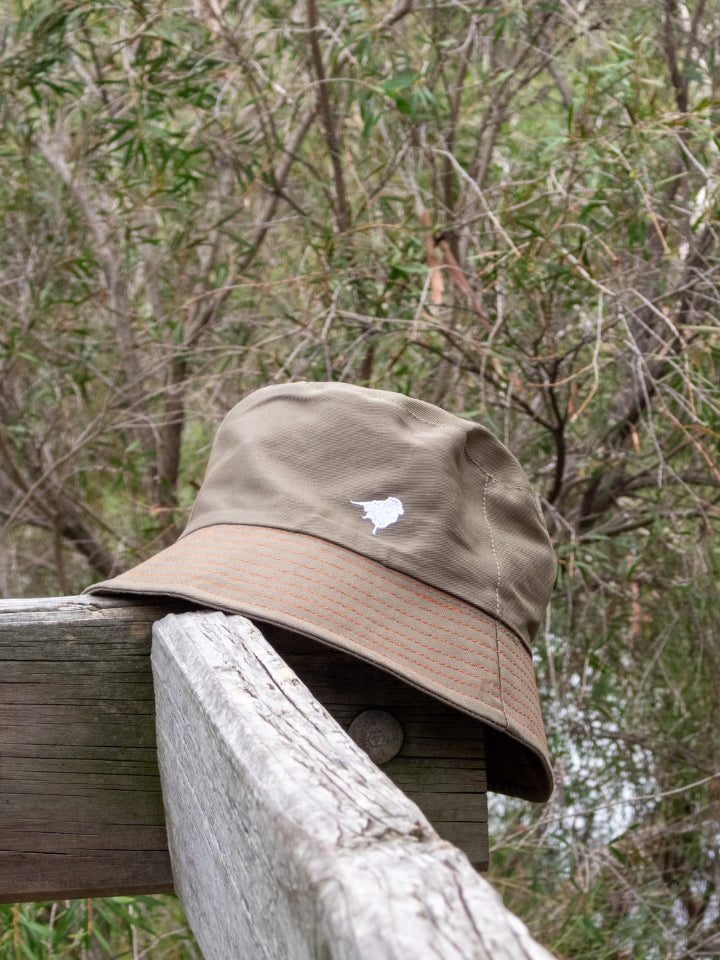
{"x":509,"y":209}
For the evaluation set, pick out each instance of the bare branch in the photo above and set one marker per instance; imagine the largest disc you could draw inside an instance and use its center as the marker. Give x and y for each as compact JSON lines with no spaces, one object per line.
{"x":342,"y":208}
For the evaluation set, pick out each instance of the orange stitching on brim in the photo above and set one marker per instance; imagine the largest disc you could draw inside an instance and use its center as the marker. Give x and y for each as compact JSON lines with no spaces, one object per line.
{"x":535,"y":726}
{"x":186,"y":557}
{"x":474,"y":615}
{"x":214,"y":558}
{"x":536,"y":729}
{"x":351,"y":562}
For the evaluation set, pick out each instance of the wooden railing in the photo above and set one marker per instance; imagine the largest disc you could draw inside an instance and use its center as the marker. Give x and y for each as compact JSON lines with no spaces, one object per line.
{"x":281,"y":836}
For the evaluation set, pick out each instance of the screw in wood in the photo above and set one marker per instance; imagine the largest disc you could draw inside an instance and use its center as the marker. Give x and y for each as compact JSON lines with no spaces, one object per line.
{"x":378,"y":733}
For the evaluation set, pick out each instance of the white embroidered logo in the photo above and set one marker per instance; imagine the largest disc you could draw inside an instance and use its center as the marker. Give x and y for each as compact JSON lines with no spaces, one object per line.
{"x":381,"y":512}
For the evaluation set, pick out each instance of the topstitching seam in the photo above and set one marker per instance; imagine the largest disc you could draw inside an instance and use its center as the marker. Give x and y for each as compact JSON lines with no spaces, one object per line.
{"x":497,"y":601}
{"x":448,"y":426}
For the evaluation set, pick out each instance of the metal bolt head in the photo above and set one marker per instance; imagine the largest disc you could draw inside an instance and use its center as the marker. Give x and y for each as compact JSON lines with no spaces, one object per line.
{"x":378,"y":733}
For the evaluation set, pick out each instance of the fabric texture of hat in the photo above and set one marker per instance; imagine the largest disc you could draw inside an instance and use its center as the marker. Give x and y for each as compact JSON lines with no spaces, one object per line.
{"x":386,"y":527}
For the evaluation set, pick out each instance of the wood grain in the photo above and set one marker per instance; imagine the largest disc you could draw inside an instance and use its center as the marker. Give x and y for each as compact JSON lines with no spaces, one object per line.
{"x":80,"y":805}
{"x":286,"y":840}
{"x":441,"y":763}
{"x":81,"y":810}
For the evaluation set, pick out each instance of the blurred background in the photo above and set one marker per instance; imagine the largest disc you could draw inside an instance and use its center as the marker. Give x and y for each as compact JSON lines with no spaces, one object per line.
{"x":509,"y":209}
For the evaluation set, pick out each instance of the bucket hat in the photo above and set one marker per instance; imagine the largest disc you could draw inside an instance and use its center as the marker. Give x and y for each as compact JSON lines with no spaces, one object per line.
{"x":388,"y":528}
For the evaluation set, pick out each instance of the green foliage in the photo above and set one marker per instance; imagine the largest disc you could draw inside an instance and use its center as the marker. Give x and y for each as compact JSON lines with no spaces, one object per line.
{"x":509,"y":210}
{"x":118,"y":927}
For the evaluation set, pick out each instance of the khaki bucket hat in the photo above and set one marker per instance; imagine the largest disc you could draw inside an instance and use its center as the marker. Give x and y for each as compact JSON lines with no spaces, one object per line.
{"x":390,"y":529}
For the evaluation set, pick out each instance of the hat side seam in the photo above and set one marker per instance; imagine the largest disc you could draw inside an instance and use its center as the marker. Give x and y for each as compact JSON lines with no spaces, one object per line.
{"x":497,"y":600}
{"x":505,"y":483}
{"x":449,"y":426}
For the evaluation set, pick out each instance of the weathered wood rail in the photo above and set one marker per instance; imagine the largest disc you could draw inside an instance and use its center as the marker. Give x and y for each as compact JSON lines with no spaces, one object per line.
{"x":81,"y":810}
{"x":285,"y":839}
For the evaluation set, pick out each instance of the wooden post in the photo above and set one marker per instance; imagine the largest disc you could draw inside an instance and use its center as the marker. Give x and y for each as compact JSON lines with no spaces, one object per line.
{"x":440,"y":763}
{"x":80,"y":805}
{"x":286,"y":839}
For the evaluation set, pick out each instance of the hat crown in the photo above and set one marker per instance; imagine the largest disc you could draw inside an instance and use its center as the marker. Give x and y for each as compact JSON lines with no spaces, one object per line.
{"x":392,"y":478}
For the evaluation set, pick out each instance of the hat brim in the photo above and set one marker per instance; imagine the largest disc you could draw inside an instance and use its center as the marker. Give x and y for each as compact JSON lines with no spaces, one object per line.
{"x":434,"y":641}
